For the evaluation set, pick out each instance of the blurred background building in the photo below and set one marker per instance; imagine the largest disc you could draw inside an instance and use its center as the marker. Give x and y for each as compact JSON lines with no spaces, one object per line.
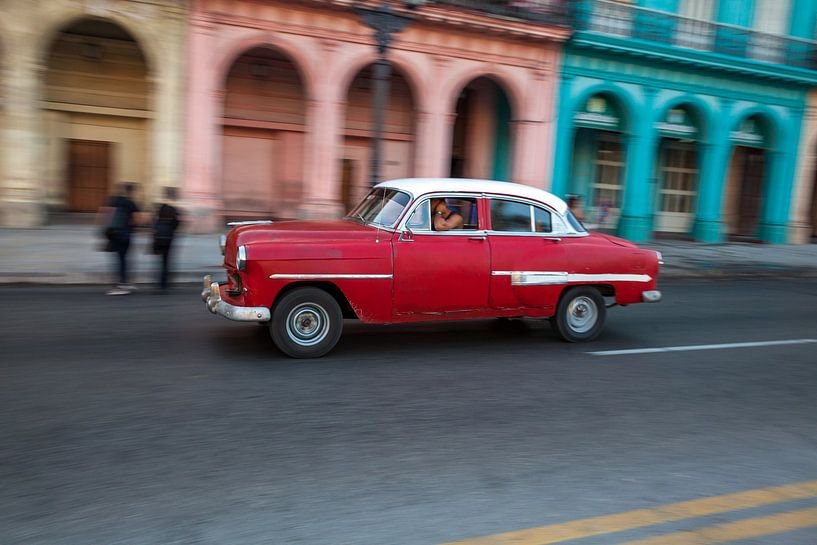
{"x":92,"y":94}
{"x":684,"y":116}
{"x":280,"y":99}
{"x":687,"y":118}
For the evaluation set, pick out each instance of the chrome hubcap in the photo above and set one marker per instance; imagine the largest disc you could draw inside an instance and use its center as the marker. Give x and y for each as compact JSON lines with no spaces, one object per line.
{"x":582,"y":314}
{"x":307,"y":324}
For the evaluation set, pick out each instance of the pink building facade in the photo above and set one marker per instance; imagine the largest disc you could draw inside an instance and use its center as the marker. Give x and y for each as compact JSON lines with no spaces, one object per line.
{"x":279,"y":104}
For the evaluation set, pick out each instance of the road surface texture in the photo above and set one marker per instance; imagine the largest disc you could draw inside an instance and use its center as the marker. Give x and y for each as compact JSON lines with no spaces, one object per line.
{"x":146,"y":420}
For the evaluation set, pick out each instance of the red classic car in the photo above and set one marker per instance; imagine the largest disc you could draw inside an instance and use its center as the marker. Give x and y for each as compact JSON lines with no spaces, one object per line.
{"x":429,"y":249}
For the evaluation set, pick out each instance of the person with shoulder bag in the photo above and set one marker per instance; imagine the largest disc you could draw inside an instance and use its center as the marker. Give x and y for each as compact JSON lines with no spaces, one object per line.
{"x":165,"y":224}
{"x":121,"y":212}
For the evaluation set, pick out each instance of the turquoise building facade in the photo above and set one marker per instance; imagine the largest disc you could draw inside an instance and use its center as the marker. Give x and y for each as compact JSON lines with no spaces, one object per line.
{"x":683,"y":117}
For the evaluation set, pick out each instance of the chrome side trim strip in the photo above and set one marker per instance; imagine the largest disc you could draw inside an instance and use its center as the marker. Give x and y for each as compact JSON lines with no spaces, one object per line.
{"x":610,"y":278}
{"x":534,"y":278}
{"x":541,"y":278}
{"x":324,"y":276}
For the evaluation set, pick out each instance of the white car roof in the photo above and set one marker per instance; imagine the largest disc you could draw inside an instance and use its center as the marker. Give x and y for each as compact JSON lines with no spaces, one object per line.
{"x":422,"y":186}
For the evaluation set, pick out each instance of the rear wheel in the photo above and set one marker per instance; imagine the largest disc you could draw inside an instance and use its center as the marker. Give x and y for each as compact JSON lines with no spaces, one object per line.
{"x":306,"y":323}
{"x":580,"y":314}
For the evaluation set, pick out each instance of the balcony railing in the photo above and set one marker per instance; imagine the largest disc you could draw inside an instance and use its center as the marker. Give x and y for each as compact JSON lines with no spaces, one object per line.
{"x":552,"y":12}
{"x":628,"y":21}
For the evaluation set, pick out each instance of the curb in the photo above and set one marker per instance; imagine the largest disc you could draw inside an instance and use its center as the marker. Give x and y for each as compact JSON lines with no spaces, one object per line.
{"x":97,"y":278}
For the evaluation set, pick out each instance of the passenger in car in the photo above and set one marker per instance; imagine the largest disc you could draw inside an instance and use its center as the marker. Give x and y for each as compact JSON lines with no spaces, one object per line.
{"x":443,"y":218}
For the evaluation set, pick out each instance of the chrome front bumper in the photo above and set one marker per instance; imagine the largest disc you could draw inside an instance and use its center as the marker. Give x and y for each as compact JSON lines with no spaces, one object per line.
{"x":211,"y":295}
{"x":651,"y":296}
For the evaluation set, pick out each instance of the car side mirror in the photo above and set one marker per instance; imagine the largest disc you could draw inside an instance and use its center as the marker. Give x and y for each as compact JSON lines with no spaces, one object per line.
{"x":407,"y":235}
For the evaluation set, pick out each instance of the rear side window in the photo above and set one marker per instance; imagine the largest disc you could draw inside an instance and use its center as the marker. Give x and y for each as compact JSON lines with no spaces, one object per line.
{"x":510,"y":216}
{"x":541,"y":220}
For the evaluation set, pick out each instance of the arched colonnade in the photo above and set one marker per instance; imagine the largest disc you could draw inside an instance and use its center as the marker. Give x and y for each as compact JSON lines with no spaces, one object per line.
{"x":649,"y":160}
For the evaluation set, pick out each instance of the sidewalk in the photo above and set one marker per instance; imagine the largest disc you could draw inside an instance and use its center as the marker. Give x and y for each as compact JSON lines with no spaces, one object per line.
{"x":68,"y":254}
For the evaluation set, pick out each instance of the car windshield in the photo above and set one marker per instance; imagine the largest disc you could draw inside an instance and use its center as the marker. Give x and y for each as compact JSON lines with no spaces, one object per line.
{"x":382,"y":206}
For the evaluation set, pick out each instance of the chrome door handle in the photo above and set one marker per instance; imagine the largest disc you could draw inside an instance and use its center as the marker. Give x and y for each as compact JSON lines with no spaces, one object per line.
{"x":552,"y":239}
{"x":477,"y":238}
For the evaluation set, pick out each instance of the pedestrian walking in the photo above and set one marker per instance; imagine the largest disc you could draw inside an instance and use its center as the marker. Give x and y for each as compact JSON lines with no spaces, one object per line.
{"x":165,"y":224}
{"x":121,"y":219}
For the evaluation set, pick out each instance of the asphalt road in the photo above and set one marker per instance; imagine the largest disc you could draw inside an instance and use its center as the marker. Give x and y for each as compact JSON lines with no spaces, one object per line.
{"x":146,"y":420}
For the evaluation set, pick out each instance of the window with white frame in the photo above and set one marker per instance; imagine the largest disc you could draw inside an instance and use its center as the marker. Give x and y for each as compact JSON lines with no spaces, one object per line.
{"x":695,"y":27}
{"x":772,"y":16}
{"x":771,"y":21}
{"x":679,"y":181}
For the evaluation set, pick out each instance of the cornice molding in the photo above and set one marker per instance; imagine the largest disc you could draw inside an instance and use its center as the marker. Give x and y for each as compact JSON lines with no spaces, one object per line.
{"x":694,"y":59}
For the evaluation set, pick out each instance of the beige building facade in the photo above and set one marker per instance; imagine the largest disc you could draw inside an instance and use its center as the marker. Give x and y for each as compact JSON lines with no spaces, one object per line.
{"x":92,"y":95}
{"x":804,"y":196}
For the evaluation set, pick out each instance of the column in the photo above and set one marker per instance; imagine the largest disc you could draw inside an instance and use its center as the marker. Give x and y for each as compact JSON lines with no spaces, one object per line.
{"x":778,"y":181}
{"x":434,"y":132}
{"x":563,"y":144}
{"x":531,"y":138}
{"x":202,"y":199}
{"x":708,"y":225}
{"x":324,"y":122}
{"x":21,"y":190}
{"x":801,"y":229}
{"x":167,"y":120}
{"x":635,"y":222}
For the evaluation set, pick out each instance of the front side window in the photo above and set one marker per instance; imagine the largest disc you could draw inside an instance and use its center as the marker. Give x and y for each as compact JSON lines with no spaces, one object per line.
{"x":382,"y":206}
{"x":420,"y":219}
{"x":445,"y":214}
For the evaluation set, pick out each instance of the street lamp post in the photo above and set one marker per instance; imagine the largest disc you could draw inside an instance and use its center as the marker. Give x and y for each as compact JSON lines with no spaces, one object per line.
{"x":385,"y":24}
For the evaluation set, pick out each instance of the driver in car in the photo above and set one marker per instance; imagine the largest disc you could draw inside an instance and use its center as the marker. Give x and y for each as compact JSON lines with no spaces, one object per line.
{"x":444,"y":219}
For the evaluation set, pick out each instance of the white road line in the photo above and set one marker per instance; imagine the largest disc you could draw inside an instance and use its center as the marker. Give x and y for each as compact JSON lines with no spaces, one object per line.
{"x":699,"y":347}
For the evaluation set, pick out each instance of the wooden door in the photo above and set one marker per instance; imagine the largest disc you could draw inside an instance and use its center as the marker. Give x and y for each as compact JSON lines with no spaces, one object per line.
{"x":89,"y":173}
{"x":751,"y":192}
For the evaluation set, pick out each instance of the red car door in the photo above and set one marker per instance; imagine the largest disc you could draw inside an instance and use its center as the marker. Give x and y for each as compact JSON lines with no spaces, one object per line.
{"x":441,"y":271}
{"x":529,"y":265}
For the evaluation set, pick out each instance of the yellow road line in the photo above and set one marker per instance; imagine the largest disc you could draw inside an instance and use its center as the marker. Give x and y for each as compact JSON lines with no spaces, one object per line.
{"x":734,"y":531}
{"x":606,"y":524}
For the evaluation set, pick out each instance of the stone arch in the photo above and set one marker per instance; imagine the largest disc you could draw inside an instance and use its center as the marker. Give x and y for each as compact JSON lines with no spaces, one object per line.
{"x":99,"y":88}
{"x":263,"y":118}
{"x":398,"y":144}
{"x":622,"y":98}
{"x":598,"y":168}
{"x":63,"y":19}
{"x":233,"y":50}
{"x":756,"y":176}
{"x":402,"y":63}
{"x":505,"y":80}
{"x":483,"y":143}
{"x":771,"y":121}
{"x":694,"y":104}
{"x":681,"y":166}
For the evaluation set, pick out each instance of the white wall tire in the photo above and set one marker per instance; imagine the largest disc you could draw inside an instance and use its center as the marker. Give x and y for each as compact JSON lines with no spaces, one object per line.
{"x":580,"y":314}
{"x":306,"y":323}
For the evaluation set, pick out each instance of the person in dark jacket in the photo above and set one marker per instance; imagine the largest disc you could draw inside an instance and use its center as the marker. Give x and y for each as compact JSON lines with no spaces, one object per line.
{"x":122,"y":212}
{"x":166,"y":223}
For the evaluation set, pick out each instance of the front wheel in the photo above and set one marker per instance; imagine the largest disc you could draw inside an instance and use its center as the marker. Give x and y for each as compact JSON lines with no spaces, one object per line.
{"x":580,"y":314}
{"x":306,"y":323}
